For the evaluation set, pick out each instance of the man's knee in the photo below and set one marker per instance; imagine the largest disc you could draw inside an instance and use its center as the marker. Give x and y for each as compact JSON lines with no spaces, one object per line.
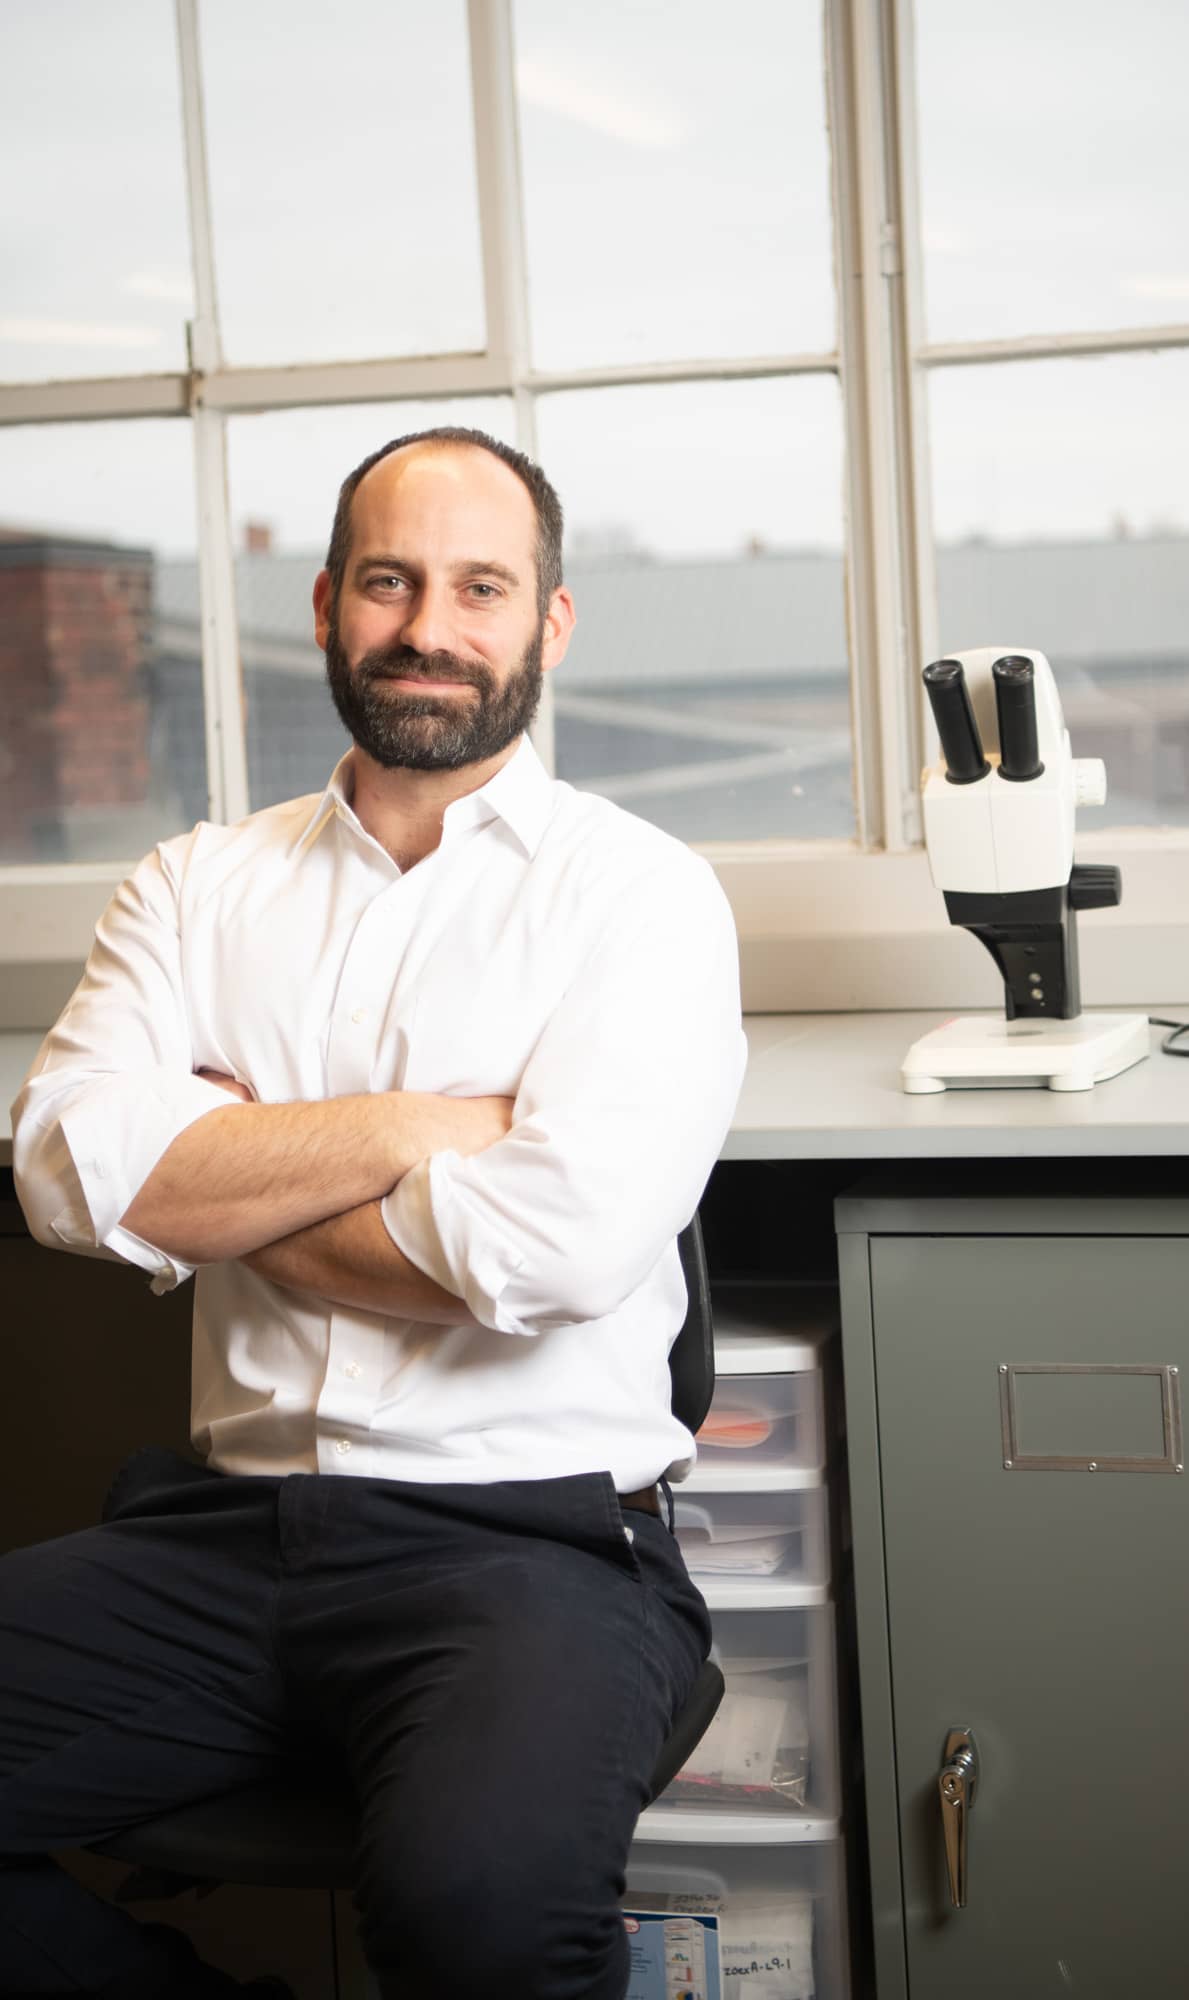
{"x":512,"y":1936}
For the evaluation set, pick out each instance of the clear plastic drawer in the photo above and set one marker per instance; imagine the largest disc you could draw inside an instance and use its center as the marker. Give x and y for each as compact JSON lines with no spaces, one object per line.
{"x":764,"y":1420}
{"x":781,"y":1912}
{"x":772,"y":1747}
{"x":784,"y":1536}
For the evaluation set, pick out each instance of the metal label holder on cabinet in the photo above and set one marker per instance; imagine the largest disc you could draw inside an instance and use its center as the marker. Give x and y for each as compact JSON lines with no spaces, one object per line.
{"x":1171,"y":1459}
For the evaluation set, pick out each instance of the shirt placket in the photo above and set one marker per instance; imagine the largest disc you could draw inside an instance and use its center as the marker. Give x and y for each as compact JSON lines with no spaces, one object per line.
{"x":355,"y":1360}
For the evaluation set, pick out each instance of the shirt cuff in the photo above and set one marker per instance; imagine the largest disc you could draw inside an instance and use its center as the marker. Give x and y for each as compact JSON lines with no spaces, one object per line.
{"x":431,"y":1224}
{"x":115,"y":1132}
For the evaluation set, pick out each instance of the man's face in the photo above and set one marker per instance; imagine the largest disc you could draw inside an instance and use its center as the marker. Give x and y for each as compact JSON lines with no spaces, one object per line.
{"x":435,"y":649}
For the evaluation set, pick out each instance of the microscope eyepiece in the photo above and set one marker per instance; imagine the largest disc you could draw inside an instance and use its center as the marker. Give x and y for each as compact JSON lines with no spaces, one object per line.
{"x":1014,"y":677}
{"x":953,"y":712}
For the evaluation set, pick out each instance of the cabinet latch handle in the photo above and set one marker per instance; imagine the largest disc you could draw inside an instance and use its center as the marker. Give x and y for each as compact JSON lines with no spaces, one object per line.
{"x":956,"y":1784}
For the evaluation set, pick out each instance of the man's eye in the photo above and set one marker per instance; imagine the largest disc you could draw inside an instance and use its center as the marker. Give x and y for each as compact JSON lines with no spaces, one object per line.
{"x":484,"y":591}
{"x":387,"y":582}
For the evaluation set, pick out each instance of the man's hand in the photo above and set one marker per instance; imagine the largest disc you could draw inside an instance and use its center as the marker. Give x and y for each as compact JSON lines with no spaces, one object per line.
{"x":351,"y":1260}
{"x":464,"y":1124}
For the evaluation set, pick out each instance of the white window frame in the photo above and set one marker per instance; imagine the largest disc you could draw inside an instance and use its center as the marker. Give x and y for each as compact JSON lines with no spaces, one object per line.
{"x":823,"y":924}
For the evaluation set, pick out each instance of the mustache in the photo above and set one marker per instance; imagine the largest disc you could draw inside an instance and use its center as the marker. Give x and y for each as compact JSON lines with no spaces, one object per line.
{"x":389,"y":662}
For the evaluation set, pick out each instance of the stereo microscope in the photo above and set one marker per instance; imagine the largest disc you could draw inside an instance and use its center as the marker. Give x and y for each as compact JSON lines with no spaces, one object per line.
{"x":999,"y":820}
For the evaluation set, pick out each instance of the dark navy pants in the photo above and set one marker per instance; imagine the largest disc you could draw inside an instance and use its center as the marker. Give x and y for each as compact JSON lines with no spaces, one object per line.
{"x":497,"y":1665}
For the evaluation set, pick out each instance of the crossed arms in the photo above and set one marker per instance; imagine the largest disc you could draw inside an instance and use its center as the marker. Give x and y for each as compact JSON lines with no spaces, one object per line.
{"x":414,"y":1205}
{"x":294,"y":1190}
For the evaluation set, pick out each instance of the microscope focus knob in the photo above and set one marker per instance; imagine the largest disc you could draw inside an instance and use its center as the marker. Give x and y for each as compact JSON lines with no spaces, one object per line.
{"x":1095,"y":886}
{"x":1089,"y":781}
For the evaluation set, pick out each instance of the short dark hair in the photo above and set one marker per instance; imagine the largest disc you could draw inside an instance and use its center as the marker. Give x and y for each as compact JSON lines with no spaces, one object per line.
{"x":546,"y":504}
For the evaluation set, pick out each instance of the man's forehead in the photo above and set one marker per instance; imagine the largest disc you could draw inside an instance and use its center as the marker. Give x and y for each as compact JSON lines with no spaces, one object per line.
{"x":445,"y":474}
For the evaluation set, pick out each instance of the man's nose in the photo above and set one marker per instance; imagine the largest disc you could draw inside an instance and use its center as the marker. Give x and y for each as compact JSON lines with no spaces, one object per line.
{"x":429,"y":623}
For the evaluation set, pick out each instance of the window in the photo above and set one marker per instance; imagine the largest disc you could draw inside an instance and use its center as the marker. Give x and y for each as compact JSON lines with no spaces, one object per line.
{"x":1058,"y":510}
{"x":344,"y":204}
{"x":676,"y":184}
{"x":1054,"y":162}
{"x":97,"y":274}
{"x":846,"y":334}
{"x":1059,"y":498}
{"x":706,"y":687}
{"x":101,"y":715}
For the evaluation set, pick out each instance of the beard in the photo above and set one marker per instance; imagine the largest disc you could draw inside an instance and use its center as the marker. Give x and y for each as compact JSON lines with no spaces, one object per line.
{"x":402,"y":730}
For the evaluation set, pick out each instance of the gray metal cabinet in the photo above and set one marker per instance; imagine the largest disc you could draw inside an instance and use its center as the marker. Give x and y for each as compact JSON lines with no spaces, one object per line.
{"x":1021,"y":1532}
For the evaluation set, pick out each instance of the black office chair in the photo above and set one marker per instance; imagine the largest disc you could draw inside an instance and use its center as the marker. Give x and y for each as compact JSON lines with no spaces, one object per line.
{"x":301,"y":1834}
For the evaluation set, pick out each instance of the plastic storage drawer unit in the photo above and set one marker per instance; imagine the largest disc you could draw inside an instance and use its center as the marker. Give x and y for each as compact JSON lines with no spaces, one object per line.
{"x":764,"y":1420}
{"x":781,"y":1912}
{"x":773,"y":1746}
{"x":781,"y":1535}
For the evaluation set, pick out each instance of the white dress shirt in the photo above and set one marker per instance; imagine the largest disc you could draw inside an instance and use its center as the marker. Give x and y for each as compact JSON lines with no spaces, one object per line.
{"x":553,"y":949}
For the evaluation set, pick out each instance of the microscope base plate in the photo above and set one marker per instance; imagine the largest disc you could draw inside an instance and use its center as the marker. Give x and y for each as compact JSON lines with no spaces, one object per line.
{"x":988,"y":1052}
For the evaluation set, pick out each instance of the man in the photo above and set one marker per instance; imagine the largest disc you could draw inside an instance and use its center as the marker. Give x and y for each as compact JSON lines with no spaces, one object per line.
{"x":424,"y":1077}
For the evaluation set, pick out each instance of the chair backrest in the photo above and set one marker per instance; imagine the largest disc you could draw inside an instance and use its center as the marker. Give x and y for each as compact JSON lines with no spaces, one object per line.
{"x":691,"y":1357}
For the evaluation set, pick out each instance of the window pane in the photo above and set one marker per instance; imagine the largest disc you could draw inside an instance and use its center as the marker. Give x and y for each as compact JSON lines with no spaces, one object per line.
{"x":93,"y":236}
{"x":676,"y":180}
{"x":101,"y":733}
{"x":341,"y":160}
{"x":706,"y":687}
{"x":1059,"y":505}
{"x":1054,"y":159}
{"x":285,"y":474}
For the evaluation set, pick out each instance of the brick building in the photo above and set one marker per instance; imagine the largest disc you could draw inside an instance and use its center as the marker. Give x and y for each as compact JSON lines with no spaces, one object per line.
{"x":75,"y":637}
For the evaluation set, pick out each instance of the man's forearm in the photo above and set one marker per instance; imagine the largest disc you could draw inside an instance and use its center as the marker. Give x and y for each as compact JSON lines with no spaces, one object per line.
{"x":246,"y":1175}
{"x":352,"y":1261}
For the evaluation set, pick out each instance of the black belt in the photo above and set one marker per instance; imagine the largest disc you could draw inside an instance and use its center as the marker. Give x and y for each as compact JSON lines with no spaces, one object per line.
{"x":646,"y":1501}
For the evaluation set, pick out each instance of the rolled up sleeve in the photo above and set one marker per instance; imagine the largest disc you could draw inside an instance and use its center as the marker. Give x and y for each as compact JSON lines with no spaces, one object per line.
{"x":111,"y":1087}
{"x":620,"y":1116}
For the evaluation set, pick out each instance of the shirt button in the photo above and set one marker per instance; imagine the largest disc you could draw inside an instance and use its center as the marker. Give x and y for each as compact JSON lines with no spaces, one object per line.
{"x":359,"y":1015}
{"x":342,"y":1445}
{"x":100,"y":1169}
{"x":353,"y":1370}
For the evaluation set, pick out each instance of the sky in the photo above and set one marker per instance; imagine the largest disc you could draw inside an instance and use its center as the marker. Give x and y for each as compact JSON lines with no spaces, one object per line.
{"x":676,"y":175}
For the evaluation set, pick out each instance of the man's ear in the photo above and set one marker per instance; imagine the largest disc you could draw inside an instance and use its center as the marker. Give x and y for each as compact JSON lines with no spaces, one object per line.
{"x":560,"y":620}
{"x":323,"y":606}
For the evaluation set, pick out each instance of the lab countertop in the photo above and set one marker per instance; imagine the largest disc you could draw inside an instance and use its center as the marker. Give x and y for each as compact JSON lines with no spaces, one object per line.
{"x":827,"y":1086}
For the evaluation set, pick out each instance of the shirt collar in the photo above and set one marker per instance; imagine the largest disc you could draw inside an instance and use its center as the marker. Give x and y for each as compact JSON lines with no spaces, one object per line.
{"x":520,"y":794}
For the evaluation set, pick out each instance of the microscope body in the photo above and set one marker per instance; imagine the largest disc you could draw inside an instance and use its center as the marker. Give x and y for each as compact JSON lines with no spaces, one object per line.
{"x":999,"y":825}
{"x":999,"y":812}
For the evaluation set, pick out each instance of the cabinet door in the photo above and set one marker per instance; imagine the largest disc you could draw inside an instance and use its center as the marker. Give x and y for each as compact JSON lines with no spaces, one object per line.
{"x":1045,"y":1610}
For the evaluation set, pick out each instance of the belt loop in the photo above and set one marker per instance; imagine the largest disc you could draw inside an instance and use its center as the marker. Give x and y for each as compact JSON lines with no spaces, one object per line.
{"x":667,"y":1490}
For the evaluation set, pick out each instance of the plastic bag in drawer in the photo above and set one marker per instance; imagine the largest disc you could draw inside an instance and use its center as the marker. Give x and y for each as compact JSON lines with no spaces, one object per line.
{"x":767,"y":1953}
{"x":781,"y":1910}
{"x":765,"y":1943}
{"x":769,"y":1419}
{"x":756,"y":1751}
{"x":751,"y":1549}
{"x":754,"y":1534}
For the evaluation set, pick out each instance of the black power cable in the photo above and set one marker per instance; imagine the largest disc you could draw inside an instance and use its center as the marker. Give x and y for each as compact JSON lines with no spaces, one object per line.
{"x":1179,"y":1028}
